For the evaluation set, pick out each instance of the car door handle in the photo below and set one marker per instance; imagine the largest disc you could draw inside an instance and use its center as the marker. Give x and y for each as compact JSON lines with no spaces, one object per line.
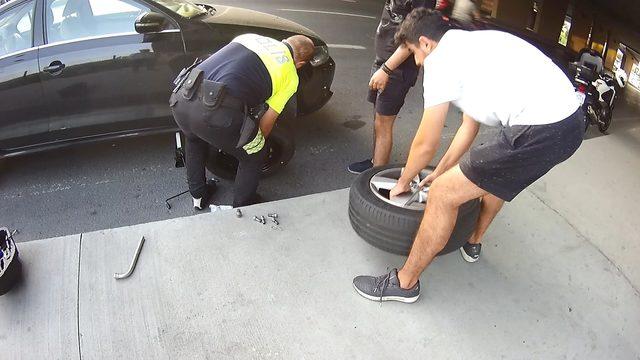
{"x":55,"y":68}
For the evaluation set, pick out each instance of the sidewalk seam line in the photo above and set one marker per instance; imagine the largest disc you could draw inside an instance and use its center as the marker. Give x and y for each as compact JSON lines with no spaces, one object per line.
{"x":78,"y":300}
{"x":585,"y":238}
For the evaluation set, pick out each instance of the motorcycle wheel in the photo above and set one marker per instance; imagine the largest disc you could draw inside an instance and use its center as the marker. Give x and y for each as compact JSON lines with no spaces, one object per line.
{"x":592,"y":117}
{"x":604,"y":119}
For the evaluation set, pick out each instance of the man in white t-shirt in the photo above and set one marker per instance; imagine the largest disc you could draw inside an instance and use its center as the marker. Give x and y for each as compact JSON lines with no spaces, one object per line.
{"x":496,"y":79}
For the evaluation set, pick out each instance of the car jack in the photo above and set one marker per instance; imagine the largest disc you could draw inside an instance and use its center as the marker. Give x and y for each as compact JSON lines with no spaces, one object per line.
{"x":179,"y":152}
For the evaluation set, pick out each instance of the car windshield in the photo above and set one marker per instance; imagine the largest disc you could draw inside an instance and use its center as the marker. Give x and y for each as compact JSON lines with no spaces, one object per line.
{"x":183,"y":8}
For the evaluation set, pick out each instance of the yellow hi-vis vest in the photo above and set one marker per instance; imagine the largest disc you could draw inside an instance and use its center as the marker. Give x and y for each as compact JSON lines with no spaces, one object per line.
{"x":277,"y":58}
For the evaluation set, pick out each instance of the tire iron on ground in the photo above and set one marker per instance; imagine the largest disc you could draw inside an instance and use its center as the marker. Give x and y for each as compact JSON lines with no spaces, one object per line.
{"x":132,"y":267}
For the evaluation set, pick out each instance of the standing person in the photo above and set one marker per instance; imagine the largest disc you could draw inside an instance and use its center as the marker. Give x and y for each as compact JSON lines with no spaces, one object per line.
{"x":445,"y":7}
{"x":393,"y":74}
{"x":465,"y":12}
{"x":212,"y":101}
{"x":540,"y":125}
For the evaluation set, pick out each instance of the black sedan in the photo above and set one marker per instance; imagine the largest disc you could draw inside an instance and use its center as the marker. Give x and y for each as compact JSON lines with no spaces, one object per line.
{"x":84,"y":70}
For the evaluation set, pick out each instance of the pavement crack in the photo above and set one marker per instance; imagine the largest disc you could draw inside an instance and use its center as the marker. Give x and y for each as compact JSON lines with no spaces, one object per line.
{"x":585,"y":238}
{"x":78,"y":300}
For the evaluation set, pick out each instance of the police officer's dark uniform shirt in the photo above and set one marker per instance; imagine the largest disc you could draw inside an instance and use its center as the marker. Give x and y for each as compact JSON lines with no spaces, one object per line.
{"x":255,"y":69}
{"x":392,"y":16}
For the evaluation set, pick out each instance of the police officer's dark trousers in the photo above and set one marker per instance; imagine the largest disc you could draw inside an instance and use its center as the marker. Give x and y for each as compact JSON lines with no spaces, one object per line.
{"x":204,"y":127}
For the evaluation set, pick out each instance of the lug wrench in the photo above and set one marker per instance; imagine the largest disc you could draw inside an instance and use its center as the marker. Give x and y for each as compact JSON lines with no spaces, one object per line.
{"x":166,"y":201}
{"x":118,"y":276}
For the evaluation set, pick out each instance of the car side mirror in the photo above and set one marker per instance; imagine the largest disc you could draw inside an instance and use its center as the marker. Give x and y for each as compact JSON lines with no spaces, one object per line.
{"x":150,"y":22}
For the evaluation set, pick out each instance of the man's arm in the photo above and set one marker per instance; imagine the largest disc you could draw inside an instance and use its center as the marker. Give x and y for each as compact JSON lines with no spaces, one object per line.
{"x":380,"y":78}
{"x":424,"y":147}
{"x":267,"y":121}
{"x":461,"y":143}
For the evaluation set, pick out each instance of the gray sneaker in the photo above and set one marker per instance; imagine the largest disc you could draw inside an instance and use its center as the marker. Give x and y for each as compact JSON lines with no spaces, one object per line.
{"x":385,"y":288}
{"x":471,"y":252}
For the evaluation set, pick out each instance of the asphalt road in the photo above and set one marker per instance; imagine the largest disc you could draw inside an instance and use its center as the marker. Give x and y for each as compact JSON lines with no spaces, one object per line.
{"x":125,"y":182}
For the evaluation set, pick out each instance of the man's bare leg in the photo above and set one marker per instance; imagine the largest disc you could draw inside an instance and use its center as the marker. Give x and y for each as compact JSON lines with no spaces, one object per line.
{"x":489,"y":208}
{"x":383,"y":139}
{"x":446,"y":194}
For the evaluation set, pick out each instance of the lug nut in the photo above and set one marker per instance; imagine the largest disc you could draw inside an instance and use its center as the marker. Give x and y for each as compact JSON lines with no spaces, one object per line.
{"x":238,"y":213}
{"x":273,"y":216}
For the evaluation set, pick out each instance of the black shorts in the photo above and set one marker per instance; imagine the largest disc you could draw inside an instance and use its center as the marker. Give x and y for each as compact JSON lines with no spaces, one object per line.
{"x":520,"y":155}
{"x":389,"y":101}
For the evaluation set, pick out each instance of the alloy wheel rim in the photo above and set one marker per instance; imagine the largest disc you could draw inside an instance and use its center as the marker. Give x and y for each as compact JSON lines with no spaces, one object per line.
{"x":383,"y":181}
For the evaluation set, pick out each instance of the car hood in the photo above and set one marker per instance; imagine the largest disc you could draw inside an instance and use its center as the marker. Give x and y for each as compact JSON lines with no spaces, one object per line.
{"x":238,"y":16}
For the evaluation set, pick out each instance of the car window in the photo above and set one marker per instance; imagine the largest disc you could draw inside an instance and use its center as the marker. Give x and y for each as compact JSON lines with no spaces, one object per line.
{"x":76,"y":19}
{"x":16,"y":28}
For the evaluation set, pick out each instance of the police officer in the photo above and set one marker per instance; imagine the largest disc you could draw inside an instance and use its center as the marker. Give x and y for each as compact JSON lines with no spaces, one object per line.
{"x":217,"y":104}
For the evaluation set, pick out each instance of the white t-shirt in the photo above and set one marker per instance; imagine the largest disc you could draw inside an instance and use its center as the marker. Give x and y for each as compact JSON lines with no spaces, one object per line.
{"x":497,"y":79}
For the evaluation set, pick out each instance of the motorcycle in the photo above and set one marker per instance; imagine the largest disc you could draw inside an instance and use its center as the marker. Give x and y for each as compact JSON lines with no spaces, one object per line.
{"x":597,"y":94}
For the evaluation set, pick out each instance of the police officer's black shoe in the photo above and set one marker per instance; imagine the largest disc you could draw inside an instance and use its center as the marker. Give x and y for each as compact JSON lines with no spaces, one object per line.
{"x":202,"y":203}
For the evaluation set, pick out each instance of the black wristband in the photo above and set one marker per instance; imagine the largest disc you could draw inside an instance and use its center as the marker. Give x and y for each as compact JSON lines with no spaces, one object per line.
{"x":386,"y":69}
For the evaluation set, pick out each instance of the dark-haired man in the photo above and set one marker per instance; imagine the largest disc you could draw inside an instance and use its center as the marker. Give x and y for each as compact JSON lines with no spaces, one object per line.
{"x":212,"y":100}
{"x":392,"y":75}
{"x":482,"y":73}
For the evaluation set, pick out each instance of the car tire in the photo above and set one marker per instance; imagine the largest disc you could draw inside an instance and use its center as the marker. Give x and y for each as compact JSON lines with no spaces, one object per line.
{"x":280,"y":149}
{"x":392,"y":228}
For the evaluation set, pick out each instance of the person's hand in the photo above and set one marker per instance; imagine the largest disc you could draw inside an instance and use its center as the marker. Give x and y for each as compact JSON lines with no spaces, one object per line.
{"x":400,"y":188}
{"x":429,"y":179}
{"x":379,"y":80}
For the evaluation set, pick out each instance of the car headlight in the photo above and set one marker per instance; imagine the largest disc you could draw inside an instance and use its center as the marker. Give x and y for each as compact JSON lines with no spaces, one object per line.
{"x":320,"y":56}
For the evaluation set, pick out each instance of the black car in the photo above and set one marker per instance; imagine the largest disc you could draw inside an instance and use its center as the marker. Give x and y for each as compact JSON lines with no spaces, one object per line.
{"x":84,"y":70}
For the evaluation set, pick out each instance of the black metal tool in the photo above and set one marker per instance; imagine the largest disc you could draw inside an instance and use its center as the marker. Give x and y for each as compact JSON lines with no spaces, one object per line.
{"x":179,"y":151}
{"x":166,"y":201}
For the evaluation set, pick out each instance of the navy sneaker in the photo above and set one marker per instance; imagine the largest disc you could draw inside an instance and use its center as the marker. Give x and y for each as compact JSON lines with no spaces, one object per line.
{"x":385,"y":288}
{"x":470,"y":252}
{"x":359,"y":167}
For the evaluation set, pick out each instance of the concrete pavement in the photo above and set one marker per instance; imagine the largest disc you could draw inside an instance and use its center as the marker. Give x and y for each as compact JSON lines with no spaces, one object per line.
{"x":597,"y":192}
{"x":215,"y":286}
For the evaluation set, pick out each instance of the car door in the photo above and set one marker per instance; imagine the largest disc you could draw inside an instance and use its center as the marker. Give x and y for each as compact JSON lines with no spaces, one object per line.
{"x":101,"y":77}
{"x":23,"y":114}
